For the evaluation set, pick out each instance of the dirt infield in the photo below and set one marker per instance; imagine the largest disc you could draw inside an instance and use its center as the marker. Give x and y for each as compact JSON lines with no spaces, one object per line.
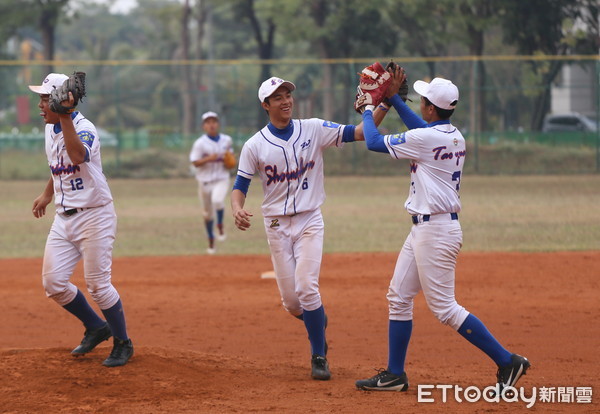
{"x":211,"y":336}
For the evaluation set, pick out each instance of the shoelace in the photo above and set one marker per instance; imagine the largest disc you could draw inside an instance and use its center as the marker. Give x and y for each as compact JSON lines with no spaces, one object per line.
{"x":381,"y":372}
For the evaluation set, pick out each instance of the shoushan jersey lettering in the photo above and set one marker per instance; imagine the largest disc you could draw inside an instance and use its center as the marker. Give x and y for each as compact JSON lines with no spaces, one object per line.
{"x":437,"y":155}
{"x":76,"y":186}
{"x":291,"y":171}
{"x":214,"y":170}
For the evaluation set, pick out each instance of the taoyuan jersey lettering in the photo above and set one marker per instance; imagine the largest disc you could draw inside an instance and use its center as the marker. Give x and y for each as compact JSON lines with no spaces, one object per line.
{"x":437,"y":155}
{"x":291,"y":171}
{"x":76,"y":186}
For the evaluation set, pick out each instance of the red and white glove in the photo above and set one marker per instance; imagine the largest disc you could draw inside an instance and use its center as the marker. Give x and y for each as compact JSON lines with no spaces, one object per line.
{"x":372,"y":86}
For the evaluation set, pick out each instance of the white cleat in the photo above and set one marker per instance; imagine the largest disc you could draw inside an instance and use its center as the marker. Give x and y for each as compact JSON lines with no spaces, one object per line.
{"x":221,"y":237}
{"x":211,"y":250}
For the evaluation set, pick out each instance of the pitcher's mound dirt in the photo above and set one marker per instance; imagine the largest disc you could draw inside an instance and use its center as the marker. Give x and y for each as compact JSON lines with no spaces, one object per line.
{"x":210,"y":335}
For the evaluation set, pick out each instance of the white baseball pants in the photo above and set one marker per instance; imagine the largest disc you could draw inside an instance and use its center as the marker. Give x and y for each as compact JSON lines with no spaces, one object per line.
{"x":88,"y":234}
{"x":296,"y":244}
{"x":212,"y":194}
{"x":427,"y":261}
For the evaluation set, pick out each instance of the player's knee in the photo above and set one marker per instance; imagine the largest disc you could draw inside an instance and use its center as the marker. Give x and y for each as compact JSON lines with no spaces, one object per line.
{"x":309,"y":300}
{"x":452,"y":316}
{"x":400,"y":308}
{"x":292,"y":305}
{"x":104,"y":296}
{"x":101,"y":290}
{"x":58,"y":288}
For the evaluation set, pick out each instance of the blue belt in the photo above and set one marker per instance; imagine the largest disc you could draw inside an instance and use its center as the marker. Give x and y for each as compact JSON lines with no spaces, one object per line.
{"x":426,"y":217}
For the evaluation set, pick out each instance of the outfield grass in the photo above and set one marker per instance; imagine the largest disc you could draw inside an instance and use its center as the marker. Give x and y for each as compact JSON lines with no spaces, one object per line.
{"x":500,"y":213}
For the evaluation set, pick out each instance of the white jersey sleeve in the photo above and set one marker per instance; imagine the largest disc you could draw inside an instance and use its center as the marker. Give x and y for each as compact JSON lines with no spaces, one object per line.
{"x":329,"y":133}
{"x":438,"y":155}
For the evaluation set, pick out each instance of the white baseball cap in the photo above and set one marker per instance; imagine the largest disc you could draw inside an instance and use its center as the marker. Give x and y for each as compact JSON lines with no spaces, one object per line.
{"x":440,"y":92}
{"x":52,"y":81}
{"x":270,"y":85}
{"x":209,"y":114}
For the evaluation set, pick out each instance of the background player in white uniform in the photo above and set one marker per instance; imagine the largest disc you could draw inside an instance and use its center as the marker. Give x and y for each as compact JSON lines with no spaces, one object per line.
{"x":427,"y":261}
{"x":84,"y":226}
{"x":287,"y":154}
{"x":212,"y":176}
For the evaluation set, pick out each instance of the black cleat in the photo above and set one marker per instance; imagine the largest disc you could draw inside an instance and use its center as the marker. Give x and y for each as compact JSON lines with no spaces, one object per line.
{"x":120,"y":354}
{"x":91,"y":339}
{"x":320,"y":368}
{"x":384,"y":381}
{"x":508,"y":375}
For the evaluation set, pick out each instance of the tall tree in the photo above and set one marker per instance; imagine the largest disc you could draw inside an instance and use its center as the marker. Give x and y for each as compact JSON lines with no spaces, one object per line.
{"x":264,"y":34}
{"x":187,"y":86}
{"x":49,"y":13}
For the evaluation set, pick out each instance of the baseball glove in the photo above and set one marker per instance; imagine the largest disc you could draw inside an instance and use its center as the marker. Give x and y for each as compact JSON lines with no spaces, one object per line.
{"x":403,"y":91}
{"x":229,"y":160}
{"x":372,"y":86}
{"x":76,"y":85}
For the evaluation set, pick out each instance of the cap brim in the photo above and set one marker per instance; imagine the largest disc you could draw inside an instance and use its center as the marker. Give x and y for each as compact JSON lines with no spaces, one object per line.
{"x":289,"y":85}
{"x":421,"y":87}
{"x":38,"y":89}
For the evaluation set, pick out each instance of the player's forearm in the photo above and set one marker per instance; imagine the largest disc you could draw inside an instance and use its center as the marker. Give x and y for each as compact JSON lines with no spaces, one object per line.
{"x":238,"y":199}
{"x":408,"y":116}
{"x":375,"y":141}
{"x":204,"y":160}
{"x":49,"y":189}
{"x":378,"y":115}
{"x":75,"y":148}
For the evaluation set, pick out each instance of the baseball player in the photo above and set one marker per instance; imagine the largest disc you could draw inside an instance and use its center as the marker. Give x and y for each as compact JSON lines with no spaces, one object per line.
{"x":212,"y":176}
{"x":427,"y":260}
{"x":287,"y":154}
{"x":84,"y":226}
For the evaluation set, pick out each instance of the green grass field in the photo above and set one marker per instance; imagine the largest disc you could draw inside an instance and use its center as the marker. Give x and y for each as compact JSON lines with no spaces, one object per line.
{"x":500,"y":213}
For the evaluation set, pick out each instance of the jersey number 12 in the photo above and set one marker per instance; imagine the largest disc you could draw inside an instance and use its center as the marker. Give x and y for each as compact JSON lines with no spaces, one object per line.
{"x":77,"y":184}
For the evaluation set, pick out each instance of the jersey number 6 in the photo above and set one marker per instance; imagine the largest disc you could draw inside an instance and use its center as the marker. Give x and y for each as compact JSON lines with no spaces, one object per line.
{"x":305,"y":184}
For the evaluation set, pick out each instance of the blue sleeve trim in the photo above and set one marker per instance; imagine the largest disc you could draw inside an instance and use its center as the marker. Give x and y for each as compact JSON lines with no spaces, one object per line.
{"x":408,"y":116}
{"x":242,"y":184}
{"x":373,"y":138}
{"x":348,"y":135}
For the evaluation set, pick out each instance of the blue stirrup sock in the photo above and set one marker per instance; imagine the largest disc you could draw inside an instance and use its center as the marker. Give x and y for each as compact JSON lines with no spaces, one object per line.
{"x":116,"y":320}
{"x":209,"y":228}
{"x":220,"y":217}
{"x":474,"y":331}
{"x":315,"y":326}
{"x":84,"y":312}
{"x":399,"y":335}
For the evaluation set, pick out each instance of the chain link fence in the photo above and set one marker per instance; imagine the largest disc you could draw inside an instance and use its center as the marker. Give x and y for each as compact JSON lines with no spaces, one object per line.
{"x":148,"y":113}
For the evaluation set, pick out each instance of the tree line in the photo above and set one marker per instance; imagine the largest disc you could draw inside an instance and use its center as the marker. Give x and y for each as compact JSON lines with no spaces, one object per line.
{"x":325,"y":29}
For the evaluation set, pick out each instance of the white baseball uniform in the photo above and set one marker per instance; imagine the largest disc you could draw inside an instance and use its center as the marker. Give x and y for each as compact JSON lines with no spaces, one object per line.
{"x":85,"y":223}
{"x":212,"y":177}
{"x":428,"y":258}
{"x":293,"y":185}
